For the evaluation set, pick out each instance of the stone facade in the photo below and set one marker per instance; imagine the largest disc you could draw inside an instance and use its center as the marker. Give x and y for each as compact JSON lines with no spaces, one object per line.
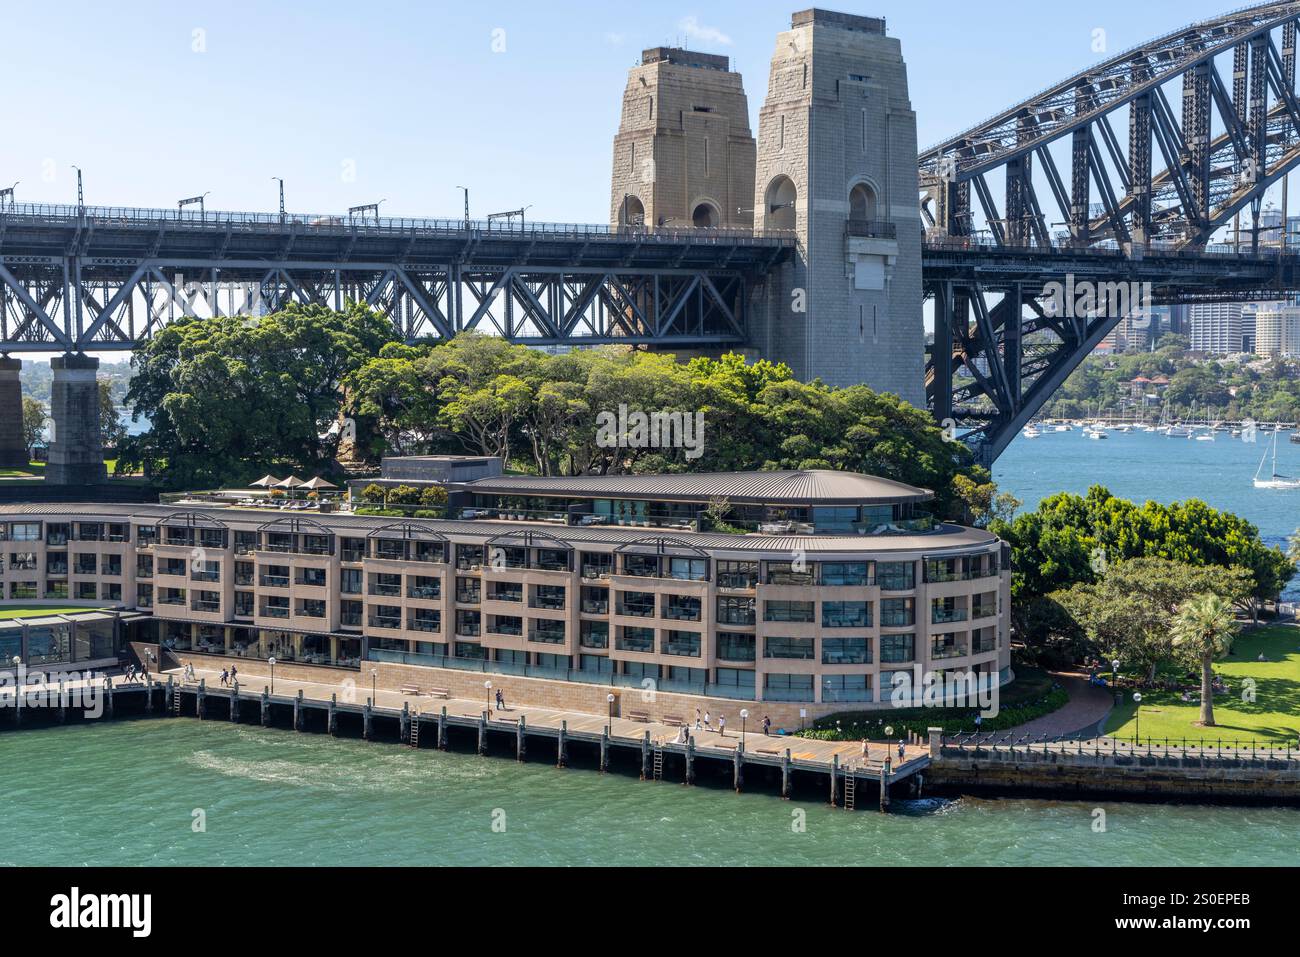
{"x":13,"y":451}
{"x":684,"y":153}
{"x":76,"y":448}
{"x":837,"y":163}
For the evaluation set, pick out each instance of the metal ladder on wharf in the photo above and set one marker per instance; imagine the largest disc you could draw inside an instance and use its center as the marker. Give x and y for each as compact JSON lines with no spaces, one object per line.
{"x":850,"y":788}
{"x":414,"y":739}
{"x":658,"y":762}
{"x":176,"y":699}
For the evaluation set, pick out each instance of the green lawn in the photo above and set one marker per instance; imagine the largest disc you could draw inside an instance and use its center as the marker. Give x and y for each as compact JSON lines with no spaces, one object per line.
{"x":1273,"y":715}
{"x":33,"y":470}
{"x":36,"y":611}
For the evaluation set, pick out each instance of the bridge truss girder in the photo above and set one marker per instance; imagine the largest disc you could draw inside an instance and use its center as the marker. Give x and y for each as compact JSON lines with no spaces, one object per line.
{"x":81,"y":303}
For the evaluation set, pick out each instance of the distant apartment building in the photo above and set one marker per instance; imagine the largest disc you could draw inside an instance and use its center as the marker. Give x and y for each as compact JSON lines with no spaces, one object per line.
{"x":1215,"y":328}
{"x":1277,"y":330}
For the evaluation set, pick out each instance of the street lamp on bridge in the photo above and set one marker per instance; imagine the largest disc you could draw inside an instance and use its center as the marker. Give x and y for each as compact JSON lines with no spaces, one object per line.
{"x":8,"y":193}
{"x":465,"y":190}
{"x":193,"y":201}
{"x":81,"y":196}
{"x":281,"y":182}
{"x":372,"y":208}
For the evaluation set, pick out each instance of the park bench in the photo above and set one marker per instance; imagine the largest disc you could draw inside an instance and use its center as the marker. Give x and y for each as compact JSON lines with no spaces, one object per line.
{"x":409,"y":689}
{"x":642,"y":716}
{"x":439,"y":693}
{"x":675,"y":719}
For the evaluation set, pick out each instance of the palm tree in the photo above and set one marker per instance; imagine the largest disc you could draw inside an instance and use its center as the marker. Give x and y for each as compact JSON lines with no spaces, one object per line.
{"x":1203,"y":629}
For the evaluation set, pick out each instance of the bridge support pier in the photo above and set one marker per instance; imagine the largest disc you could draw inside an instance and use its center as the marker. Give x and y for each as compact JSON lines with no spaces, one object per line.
{"x":76,"y":447}
{"x":13,"y":450}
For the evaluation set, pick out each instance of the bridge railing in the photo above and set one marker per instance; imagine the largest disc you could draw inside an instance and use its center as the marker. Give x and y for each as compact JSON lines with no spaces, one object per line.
{"x":223,"y":220}
{"x":1232,"y":749}
{"x":1107,"y":247}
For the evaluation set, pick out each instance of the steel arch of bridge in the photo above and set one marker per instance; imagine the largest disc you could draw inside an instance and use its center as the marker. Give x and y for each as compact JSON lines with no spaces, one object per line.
{"x":81,"y":280}
{"x":1061,"y":162}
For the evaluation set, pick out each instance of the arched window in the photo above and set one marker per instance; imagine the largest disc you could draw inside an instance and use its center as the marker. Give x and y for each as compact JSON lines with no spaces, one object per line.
{"x":631,"y":212}
{"x":780,"y":198}
{"x":862,"y":203}
{"x":705,"y":216}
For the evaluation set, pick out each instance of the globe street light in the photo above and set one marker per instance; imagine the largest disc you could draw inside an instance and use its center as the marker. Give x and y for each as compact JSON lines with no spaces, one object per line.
{"x":374,"y":691}
{"x":744,"y":713}
{"x":609,"y":700}
{"x":1137,"y":726}
{"x":1114,"y":678}
{"x":487,"y":688}
{"x":271,"y":662}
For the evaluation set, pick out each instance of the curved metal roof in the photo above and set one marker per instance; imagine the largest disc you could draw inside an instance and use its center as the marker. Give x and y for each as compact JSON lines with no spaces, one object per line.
{"x":811,"y":487}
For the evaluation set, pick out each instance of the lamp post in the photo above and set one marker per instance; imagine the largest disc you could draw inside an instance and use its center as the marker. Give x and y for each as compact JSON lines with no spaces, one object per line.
{"x":374,"y":690}
{"x":81,"y":196}
{"x":1137,"y":715}
{"x":744,"y":715}
{"x":271,"y":662}
{"x":193,"y":201}
{"x":609,"y":700}
{"x":18,"y":688}
{"x":487,"y":689}
{"x":1114,"y":678}
{"x":281,"y":182}
{"x":8,"y":193}
{"x":466,"y":190}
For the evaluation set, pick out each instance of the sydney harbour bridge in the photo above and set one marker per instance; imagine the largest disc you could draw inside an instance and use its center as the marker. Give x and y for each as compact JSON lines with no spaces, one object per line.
{"x":1150,"y":167}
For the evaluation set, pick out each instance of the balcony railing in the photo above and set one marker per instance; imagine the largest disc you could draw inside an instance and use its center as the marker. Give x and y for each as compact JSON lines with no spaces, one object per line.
{"x":506,"y":596}
{"x":384,"y":621}
{"x":870,"y":229}
{"x":944,"y":616}
{"x":275,"y":581}
{"x":947,"y":651}
{"x":386,"y":591}
{"x":636,"y":611}
{"x":501,"y":628}
{"x":469,"y":597}
{"x":682,"y":614}
{"x":737,"y":582}
{"x":550,"y":636}
{"x":424,"y":592}
{"x":595,"y":607}
{"x":424,"y":624}
{"x":275,"y":611}
{"x":207,"y":607}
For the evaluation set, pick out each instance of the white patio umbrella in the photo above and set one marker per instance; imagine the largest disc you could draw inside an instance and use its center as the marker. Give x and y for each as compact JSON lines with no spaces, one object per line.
{"x":266,"y":481}
{"x":291,"y":482}
{"x":316,"y":482}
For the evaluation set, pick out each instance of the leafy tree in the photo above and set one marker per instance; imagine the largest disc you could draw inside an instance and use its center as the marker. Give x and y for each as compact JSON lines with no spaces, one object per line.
{"x":1203,"y":631}
{"x":1129,"y":611}
{"x":403,"y":495}
{"x":373,"y":494}
{"x":34,"y":419}
{"x":111,"y":429}
{"x":232,"y":396}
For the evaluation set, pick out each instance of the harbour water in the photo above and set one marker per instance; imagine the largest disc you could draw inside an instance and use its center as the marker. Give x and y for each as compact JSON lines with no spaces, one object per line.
{"x":127,"y":792}
{"x":1146,"y":465}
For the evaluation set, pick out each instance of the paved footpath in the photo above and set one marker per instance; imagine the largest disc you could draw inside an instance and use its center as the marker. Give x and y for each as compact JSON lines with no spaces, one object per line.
{"x":1081,"y":717}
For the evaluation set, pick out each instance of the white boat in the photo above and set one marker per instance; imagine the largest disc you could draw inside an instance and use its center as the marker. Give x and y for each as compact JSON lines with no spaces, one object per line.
{"x":1275,"y":481}
{"x":1205,"y":438}
{"x":1063,"y":428}
{"x":1094,"y":434}
{"x":1030,"y":432}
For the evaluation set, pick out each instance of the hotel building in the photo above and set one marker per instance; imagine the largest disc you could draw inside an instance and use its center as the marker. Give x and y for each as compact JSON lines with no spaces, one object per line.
{"x":811,"y":587}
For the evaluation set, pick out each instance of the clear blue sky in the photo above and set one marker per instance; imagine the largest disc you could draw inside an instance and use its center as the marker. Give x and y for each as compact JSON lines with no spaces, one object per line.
{"x":414,"y":98}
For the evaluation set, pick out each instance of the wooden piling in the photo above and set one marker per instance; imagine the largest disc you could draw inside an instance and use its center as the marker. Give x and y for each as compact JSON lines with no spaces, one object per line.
{"x":690,"y":760}
{"x":562,"y":747}
{"x":200,"y":704}
{"x":884,"y":789}
{"x":367,"y":721}
{"x":108,"y":696}
{"x":442,"y":729}
{"x":835,"y":780}
{"x":63,"y":702}
{"x":332,"y":715}
{"x":520,"y":731}
{"x":482,"y":732}
{"x":404,"y":722}
{"x":604,"y":749}
{"x":645,"y":757}
{"x":148,"y":694}
{"x":785,"y":774}
{"x":737,"y":775}
{"x":266,"y":707}
{"x":298,"y":712}
{"x":234,"y":701}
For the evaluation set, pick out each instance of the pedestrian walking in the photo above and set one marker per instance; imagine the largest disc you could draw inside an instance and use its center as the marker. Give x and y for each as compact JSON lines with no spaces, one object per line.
{"x":866,"y":751}
{"x":698,"y":725}
{"x":234,"y":675}
{"x":707,"y":726}
{"x":767,"y":724}
{"x":722,"y":725}
{"x":501,"y":701}
{"x":901,"y":750}
{"x":225,"y":677}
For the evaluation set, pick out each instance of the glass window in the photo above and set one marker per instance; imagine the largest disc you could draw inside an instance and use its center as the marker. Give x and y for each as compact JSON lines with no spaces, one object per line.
{"x":846,"y":573}
{"x":799,"y":648}
{"x":897,"y":648}
{"x":846,"y":651}
{"x":689,"y":569}
{"x":896,"y":576}
{"x":792,"y":611}
{"x":735,"y":646}
{"x":737,"y":574}
{"x":846,"y":614}
{"x":897,"y":612}
{"x":681,"y":643}
{"x":636,"y":639}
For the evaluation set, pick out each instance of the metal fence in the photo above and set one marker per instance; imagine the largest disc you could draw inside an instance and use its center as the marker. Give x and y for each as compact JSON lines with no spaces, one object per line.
{"x":1232,"y":749}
